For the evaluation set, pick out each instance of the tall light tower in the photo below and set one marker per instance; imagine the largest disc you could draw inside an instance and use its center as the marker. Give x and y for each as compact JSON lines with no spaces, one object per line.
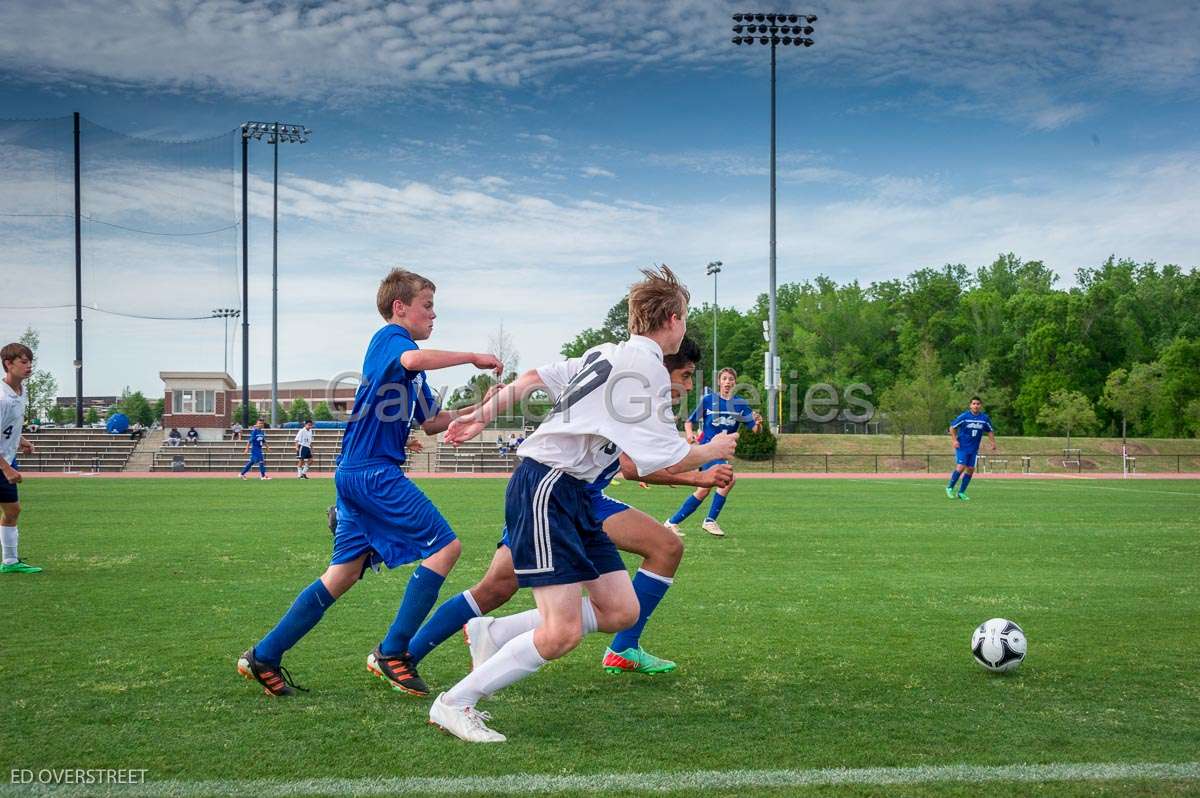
{"x":290,"y":134}
{"x":773,"y":29}
{"x":226,"y":314}
{"x":714,"y":268}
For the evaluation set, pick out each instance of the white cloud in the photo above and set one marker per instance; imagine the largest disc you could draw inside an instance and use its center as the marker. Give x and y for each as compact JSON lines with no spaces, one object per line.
{"x":595,"y":171}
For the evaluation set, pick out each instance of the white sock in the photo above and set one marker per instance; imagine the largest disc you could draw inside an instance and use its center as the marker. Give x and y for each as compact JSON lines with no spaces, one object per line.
{"x":509,"y":626}
{"x":8,"y":541}
{"x":518,"y":659}
{"x":466,"y":594}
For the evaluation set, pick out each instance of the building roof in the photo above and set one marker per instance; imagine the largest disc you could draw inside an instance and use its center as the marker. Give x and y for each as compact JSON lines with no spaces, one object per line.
{"x":197,"y":375}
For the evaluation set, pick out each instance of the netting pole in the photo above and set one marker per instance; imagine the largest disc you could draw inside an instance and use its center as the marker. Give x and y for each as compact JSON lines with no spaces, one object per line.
{"x":275,"y":284}
{"x":78,"y":289}
{"x":245,"y":284}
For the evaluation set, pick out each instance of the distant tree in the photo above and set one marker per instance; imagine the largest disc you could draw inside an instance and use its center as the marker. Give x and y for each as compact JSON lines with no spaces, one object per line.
{"x":60,"y":414}
{"x":614,"y":329}
{"x":300,"y":410}
{"x":1191,"y":415}
{"x":321,"y":412}
{"x":158,"y":407}
{"x":919,"y":404}
{"x":501,"y":345}
{"x":91,"y":416}
{"x":281,"y":414}
{"x":1129,"y":393}
{"x":41,"y":388}
{"x":134,"y":405}
{"x":1067,"y":411}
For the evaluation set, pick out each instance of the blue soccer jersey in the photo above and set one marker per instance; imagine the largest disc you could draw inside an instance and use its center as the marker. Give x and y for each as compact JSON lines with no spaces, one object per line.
{"x":389,"y":401}
{"x":721,"y":415}
{"x":257,"y":436}
{"x":970,"y":429}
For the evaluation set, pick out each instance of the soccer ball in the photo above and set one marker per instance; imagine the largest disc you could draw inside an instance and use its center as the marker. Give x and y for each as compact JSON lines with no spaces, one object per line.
{"x":998,"y":645}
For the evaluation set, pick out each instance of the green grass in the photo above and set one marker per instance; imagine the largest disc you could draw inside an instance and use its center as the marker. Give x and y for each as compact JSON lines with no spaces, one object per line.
{"x":831,"y":628}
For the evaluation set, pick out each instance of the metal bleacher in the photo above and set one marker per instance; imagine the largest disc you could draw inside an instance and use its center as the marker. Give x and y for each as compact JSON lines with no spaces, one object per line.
{"x":479,"y":456}
{"x":72,"y":449}
{"x":229,"y":455}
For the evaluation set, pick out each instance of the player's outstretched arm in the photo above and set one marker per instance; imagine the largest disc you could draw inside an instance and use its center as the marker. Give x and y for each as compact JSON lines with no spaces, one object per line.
{"x":953,"y":438}
{"x":719,"y":448}
{"x":716,"y":477}
{"x":992,"y":438}
{"x":442,"y":421}
{"x":432,"y":359}
{"x":466,"y":427}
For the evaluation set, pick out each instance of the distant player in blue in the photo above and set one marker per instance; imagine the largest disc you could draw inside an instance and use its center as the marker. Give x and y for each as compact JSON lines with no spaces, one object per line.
{"x":255,"y":445}
{"x":966,"y":432}
{"x":382,"y":517}
{"x":717,"y":413}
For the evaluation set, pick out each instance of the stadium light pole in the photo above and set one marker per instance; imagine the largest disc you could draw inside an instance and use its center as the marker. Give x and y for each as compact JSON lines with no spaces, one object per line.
{"x":774,"y":29}
{"x":275,"y":133}
{"x":226,"y":314}
{"x":714,"y":268}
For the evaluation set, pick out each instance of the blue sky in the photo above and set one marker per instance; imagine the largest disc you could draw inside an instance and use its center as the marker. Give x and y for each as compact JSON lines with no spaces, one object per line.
{"x":529,"y":156}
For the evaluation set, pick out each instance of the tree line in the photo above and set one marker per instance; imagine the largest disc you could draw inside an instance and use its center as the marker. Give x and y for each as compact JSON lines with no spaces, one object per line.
{"x":1120,"y":348}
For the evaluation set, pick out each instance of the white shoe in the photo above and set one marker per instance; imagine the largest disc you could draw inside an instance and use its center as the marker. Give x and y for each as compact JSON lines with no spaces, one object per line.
{"x":713,"y":528}
{"x":673,"y":527}
{"x":465,"y":723}
{"x":479,"y":640}
{"x":264,"y":478}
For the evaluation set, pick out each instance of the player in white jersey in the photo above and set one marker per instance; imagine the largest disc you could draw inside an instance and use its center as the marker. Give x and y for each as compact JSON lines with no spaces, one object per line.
{"x":304,"y":438}
{"x":17,"y":360}
{"x":617,"y":397}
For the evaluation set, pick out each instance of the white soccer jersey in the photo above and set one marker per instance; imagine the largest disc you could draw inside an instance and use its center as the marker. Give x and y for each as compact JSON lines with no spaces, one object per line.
{"x":12,"y":419}
{"x":304,"y":437}
{"x":615,"y":398}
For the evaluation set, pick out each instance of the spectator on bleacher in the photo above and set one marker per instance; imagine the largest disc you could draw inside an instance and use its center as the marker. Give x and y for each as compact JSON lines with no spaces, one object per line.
{"x":501,"y":446}
{"x":236,"y":429}
{"x":520,"y":439}
{"x":193,"y":437}
{"x":137,"y":431}
{"x":512,"y":442}
{"x":174,"y":438}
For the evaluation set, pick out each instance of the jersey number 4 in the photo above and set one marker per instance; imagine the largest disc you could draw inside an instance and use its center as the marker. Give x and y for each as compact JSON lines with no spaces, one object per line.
{"x":596,"y":371}
{"x":8,"y":432}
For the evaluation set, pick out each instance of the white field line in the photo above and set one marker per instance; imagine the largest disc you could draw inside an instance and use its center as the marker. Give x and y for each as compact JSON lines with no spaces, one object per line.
{"x":663,"y":782}
{"x":1042,"y":484}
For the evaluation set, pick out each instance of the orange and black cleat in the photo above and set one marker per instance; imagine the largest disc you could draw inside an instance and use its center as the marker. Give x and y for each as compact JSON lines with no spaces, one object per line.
{"x":400,"y":672}
{"x":275,"y":680}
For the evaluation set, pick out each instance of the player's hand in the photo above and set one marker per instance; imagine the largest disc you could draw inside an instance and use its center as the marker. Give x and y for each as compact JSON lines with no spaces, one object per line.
{"x":415,"y":446}
{"x":489,"y":362}
{"x":956,"y":443}
{"x":12,"y":475}
{"x":463,"y":429}
{"x":491,"y":392}
{"x":26,"y":447}
{"x":721,"y":447}
{"x":691,"y":438}
{"x":993,"y":447}
{"x":719,"y":476}
{"x":758,"y":419}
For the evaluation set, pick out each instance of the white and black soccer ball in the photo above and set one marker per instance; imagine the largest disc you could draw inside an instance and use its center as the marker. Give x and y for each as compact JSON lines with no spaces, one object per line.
{"x":998,"y":645}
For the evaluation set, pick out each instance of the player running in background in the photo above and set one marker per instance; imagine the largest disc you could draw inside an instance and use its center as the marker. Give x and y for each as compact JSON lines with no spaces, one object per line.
{"x":382,"y":517}
{"x":614,"y":398}
{"x":966,"y":433}
{"x":719,"y":412}
{"x":256,"y":443}
{"x":304,"y":438}
{"x":17,"y":360}
{"x":629,"y":529}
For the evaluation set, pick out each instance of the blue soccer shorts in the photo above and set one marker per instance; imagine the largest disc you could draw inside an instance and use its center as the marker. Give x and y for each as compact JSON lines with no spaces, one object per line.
{"x":965,"y":458}
{"x":382,"y":513}
{"x":552,"y":529}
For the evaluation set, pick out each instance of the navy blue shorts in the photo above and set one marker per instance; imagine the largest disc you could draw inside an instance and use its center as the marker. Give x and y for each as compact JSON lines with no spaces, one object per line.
{"x":552,"y":529}
{"x":382,"y":513}
{"x":965,"y":458}
{"x":604,"y":507}
{"x":712,"y":463}
{"x":305,"y":453}
{"x":8,"y":491}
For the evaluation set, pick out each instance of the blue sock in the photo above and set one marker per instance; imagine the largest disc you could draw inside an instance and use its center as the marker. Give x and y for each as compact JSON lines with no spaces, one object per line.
{"x":687,"y":508}
{"x":954,"y":475}
{"x":419,"y":597}
{"x":445,"y":621}
{"x":262,"y":468}
{"x":300,"y":618}
{"x":717,"y":503}
{"x":966,"y":481}
{"x":650,"y":590}
{"x":246,"y":467}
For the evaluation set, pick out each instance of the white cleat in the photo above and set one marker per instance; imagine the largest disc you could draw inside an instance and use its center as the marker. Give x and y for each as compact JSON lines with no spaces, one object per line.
{"x":673,"y":527}
{"x":713,"y":528}
{"x":465,"y":723}
{"x":479,"y":640}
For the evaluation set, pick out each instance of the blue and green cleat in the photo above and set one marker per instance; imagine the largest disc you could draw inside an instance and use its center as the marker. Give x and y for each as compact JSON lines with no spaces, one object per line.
{"x":949,"y":492}
{"x":635,"y":660}
{"x":964,"y":497}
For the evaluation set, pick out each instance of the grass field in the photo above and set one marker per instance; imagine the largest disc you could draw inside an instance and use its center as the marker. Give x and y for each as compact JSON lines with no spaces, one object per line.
{"x":829,"y":630}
